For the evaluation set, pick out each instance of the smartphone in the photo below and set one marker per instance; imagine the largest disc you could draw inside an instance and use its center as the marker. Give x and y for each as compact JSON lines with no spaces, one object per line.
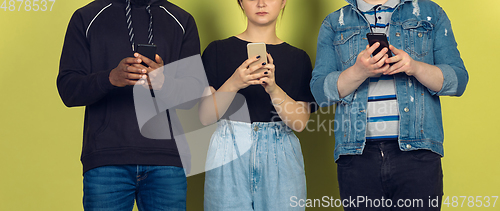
{"x":257,"y":49}
{"x":382,"y":39}
{"x":148,"y":51}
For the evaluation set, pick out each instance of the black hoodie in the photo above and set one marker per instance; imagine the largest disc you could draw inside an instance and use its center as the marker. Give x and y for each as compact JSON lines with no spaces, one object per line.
{"x":96,"y":41}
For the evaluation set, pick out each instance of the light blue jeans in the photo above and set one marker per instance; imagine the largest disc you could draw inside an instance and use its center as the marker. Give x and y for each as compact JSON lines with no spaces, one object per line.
{"x":256,"y":166}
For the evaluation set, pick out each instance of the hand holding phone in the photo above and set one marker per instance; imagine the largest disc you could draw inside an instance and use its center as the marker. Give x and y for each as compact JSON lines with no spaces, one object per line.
{"x":380,"y":38}
{"x":155,"y":77}
{"x":148,"y":51}
{"x":254,"y":50}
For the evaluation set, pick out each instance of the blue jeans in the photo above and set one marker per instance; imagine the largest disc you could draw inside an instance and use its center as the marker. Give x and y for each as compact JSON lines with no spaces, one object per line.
{"x":110,"y":188}
{"x":386,"y":178}
{"x":256,"y":166}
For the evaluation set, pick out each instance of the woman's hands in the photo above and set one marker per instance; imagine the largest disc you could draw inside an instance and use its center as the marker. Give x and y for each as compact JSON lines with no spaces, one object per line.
{"x":212,"y":108}
{"x":268,"y":81}
{"x":245,"y":76}
{"x":293,"y":113}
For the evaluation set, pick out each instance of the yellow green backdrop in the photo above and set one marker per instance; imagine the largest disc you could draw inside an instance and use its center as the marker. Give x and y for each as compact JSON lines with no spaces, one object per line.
{"x":40,"y":139}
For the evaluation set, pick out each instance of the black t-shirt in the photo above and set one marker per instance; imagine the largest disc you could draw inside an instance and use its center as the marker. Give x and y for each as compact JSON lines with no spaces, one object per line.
{"x":293,"y":74}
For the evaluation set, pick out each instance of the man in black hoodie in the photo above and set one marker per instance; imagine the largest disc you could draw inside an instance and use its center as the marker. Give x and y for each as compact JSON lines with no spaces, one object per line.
{"x":98,"y":69}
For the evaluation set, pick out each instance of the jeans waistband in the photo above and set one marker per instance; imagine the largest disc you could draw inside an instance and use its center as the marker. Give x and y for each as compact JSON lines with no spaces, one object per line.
{"x":383,"y":144}
{"x":278,"y":126}
{"x":381,"y":139}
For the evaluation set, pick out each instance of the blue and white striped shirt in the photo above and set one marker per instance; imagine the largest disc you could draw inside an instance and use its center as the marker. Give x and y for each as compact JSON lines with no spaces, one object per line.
{"x":382,"y":112}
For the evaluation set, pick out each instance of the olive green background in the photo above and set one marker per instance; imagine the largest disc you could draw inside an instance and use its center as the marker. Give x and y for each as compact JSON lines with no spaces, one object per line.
{"x":40,"y":139}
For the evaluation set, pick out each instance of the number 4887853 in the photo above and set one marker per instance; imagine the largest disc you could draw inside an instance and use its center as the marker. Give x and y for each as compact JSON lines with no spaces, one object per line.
{"x":28,"y":5}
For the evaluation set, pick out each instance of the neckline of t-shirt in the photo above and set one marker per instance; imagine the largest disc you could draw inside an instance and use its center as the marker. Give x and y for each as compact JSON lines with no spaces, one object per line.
{"x":237,"y":38}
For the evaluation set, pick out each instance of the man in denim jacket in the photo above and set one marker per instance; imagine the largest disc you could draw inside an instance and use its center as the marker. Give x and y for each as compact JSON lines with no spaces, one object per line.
{"x":385,"y":170}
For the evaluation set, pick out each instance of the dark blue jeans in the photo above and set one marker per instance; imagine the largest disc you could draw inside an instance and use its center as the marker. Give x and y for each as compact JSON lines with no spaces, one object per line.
{"x":386,"y":178}
{"x":111,"y":188}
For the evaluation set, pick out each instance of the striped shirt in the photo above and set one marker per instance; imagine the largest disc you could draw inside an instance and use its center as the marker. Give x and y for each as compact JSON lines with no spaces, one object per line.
{"x":379,"y":16}
{"x":382,"y":112}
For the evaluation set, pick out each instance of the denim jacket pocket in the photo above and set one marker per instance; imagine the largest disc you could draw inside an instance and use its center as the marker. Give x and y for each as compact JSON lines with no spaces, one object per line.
{"x":418,"y":38}
{"x":346,"y":45}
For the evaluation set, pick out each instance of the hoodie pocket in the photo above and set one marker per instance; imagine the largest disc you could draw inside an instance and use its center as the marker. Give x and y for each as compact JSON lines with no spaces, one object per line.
{"x":121,"y":129}
{"x":104,"y":118}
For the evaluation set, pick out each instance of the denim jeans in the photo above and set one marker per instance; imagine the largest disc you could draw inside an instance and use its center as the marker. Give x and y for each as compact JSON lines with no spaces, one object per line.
{"x":110,"y":188}
{"x":256,"y":166}
{"x":386,"y":178}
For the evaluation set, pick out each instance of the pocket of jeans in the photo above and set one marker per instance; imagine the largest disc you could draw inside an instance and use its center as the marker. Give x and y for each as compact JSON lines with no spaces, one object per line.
{"x":424,"y":155}
{"x":215,"y":153}
{"x":344,"y":160}
{"x":295,"y":147}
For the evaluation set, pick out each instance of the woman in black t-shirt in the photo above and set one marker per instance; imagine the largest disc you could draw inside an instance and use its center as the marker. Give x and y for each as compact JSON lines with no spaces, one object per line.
{"x":256,"y":163}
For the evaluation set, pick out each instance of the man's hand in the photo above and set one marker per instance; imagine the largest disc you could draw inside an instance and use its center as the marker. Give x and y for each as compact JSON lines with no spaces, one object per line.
{"x":428,"y":75}
{"x":366,"y":66}
{"x":127,"y":73}
{"x":155,"y":77}
{"x":370,"y":66}
{"x":403,"y":63}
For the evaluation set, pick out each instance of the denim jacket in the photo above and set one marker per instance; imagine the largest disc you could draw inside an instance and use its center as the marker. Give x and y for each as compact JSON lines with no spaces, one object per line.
{"x":423,"y":30}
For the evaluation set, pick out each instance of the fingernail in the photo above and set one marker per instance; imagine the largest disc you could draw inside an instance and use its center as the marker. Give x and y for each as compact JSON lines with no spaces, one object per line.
{"x":265,"y":73}
{"x":264,"y":63}
{"x":258,"y":57}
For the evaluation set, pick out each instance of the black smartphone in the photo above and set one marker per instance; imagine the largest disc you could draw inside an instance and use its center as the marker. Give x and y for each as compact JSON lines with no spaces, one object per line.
{"x":382,"y":39}
{"x":147,"y":51}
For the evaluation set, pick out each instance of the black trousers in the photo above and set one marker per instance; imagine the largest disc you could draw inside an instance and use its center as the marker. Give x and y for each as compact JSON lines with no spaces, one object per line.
{"x":386,"y":178}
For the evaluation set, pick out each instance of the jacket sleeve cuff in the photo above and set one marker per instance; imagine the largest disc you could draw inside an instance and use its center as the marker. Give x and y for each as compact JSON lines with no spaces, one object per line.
{"x":450,"y":82}
{"x":331,"y":89}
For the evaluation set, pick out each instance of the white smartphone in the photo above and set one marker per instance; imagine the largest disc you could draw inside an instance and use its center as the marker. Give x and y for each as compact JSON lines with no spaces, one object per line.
{"x":257,"y":49}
